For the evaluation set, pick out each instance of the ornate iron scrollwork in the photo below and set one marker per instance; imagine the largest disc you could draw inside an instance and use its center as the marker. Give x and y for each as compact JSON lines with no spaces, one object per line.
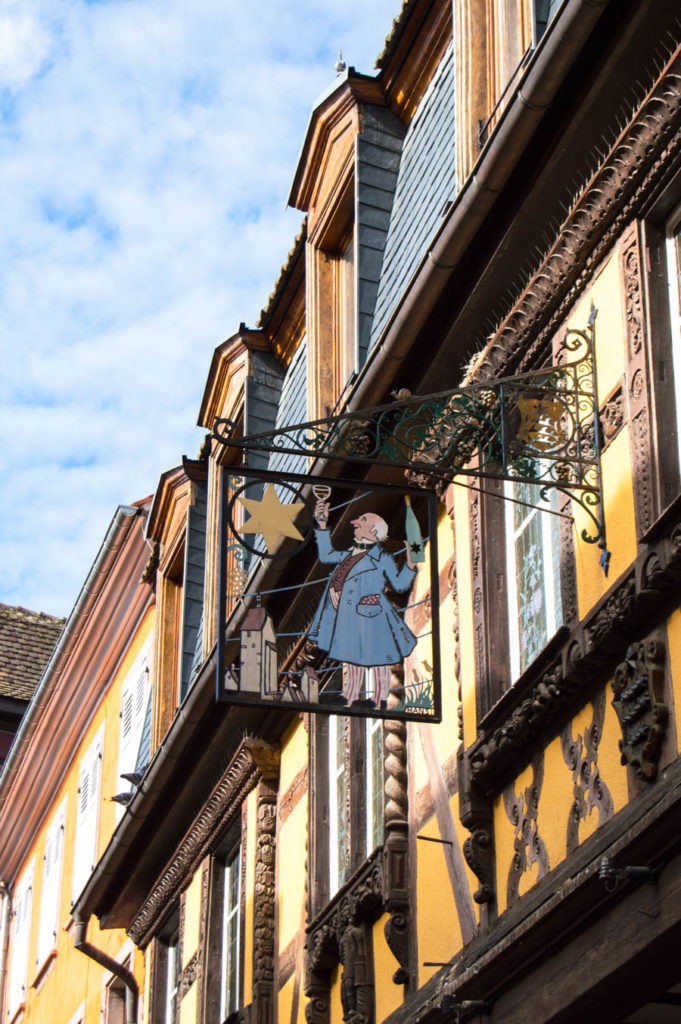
{"x":538,"y":428}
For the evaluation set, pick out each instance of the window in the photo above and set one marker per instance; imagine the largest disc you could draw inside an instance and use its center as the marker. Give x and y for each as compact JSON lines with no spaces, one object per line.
{"x":231,"y":935}
{"x":673,"y":235}
{"x":346,"y":800}
{"x":337,"y":824}
{"x":346,"y":313}
{"x":134,"y":700}
{"x":533,"y":573}
{"x":374,"y":782}
{"x":87,"y":821}
{"x":333,"y":316}
{"x":115,"y":1001}
{"x":172,"y":979}
{"x":21,"y":932}
{"x":224,"y":936}
{"x":49,"y":903}
{"x":164,"y":989}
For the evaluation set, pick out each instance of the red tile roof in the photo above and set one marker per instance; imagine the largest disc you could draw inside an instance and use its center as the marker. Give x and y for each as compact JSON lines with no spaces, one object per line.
{"x":27,"y":640}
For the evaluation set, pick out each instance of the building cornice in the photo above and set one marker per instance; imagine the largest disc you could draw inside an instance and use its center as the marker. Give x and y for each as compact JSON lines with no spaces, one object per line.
{"x":254,"y":760}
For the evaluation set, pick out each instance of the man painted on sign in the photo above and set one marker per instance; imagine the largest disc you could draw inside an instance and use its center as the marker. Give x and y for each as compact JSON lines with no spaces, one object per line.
{"x":355,"y":622}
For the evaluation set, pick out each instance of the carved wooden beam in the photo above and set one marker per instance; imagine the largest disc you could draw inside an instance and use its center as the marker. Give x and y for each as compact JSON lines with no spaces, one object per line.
{"x":544,"y":704}
{"x":254,"y":760}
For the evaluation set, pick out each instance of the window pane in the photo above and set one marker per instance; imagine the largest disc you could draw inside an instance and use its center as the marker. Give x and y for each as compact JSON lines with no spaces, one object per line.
{"x":674,"y":280}
{"x":532,"y":626}
{"x":533,"y":565}
{"x":172,"y":978}
{"x":337,"y":783}
{"x":231,"y":935}
{"x":374,"y":771}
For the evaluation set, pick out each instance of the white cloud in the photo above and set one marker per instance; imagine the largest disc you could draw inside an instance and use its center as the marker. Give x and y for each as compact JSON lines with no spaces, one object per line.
{"x":146,"y":154}
{"x":24,"y":45}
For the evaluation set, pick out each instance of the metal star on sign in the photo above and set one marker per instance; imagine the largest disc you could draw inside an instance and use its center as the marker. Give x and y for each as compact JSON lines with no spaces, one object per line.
{"x":271,"y":518}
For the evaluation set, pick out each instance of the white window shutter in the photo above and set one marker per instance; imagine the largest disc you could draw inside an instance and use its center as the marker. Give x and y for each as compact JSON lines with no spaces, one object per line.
{"x":21,"y":933}
{"x":49,"y":905}
{"x":88,"y":813}
{"x":134,"y":698}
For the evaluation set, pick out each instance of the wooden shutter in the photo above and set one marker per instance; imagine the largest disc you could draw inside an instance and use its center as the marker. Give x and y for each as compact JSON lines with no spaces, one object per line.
{"x":134,"y":699}
{"x":90,"y":777}
{"x":21,"y":931}
{"x":49,"y":904}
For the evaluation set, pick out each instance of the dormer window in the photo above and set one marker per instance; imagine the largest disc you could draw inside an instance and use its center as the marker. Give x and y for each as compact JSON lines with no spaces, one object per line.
{"x":334,"y":281}
{"x":345,"y":301}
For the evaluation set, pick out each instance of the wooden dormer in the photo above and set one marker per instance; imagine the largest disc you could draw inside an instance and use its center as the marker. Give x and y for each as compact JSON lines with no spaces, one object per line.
{"x":176,"y":529}
{"x":223,"y":394}
{"x":345,"y":182}
{"x":328,"y":149}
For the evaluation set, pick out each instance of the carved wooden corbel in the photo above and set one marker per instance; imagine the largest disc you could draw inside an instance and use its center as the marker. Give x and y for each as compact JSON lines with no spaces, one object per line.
{"x":475,"y":812}
{"x":637,"y":686}
{"x":478,"y":850}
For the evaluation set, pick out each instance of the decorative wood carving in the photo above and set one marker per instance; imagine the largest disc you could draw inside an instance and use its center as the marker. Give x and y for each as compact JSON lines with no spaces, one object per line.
{"x":589,"y":655}
{"x":611,"y":200}
{"x":317,"y":1008}
{"x":637,"y":378}
{"x":294,"y":794}
{"x":642,"y":715}
{"x":149,"y":572}
{"x":476,"y":586}
{"x":332,"y":936}
{"x":263,"y":905}
{"x":611,"y":416}
{"x":357,"y":979}
{"x":589,"y":790}
{"x":478,"y":850}
{"x":396,"y":846}
{"x":190,"y":974}
{"x":568,"y":565}
{"x":203,"y":950}
{"x":254,"y":760}
{"x":528,"y":845}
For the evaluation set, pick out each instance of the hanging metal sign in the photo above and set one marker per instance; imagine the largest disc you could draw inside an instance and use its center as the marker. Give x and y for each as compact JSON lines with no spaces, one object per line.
{"x":344,"y":622}
{"x":538,"y":427}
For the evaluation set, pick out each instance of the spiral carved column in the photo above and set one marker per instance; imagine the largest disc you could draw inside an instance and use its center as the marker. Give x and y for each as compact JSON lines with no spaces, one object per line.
{"x":396,"y":846}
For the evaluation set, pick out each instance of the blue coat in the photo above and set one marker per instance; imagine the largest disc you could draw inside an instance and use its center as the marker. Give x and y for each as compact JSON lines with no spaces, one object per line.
{"x":363,"y":633}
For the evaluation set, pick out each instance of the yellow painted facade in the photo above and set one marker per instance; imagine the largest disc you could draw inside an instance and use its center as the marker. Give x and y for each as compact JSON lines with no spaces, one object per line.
{"x":66,"y":976}
{"x":277,"y":865}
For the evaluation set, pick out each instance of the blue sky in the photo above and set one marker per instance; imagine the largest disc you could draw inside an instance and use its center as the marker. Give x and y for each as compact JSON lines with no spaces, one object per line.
{"x":146,"y":153}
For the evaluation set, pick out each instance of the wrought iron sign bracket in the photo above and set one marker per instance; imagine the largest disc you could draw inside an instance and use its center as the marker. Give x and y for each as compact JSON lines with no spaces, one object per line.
{"x":539,"y":428}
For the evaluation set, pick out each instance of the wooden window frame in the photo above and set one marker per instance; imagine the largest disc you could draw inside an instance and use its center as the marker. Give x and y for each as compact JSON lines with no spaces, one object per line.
{"x":233,"y":843}
{"x":494,"y":672}
{"x":332,"y":349}
{"x":355,"y":804}
{"x":169,"y":938}
{"x":654,"y":418}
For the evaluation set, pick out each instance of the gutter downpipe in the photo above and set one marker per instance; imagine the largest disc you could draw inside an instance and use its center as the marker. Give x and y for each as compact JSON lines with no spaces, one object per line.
{"x":5,"y":907}
{"x":90,"y":591}
{"x":104,"y":960}
{"x":545,"y":74}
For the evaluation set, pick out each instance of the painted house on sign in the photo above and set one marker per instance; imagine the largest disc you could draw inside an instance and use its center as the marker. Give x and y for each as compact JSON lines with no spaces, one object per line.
{"x":258,"y":658}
